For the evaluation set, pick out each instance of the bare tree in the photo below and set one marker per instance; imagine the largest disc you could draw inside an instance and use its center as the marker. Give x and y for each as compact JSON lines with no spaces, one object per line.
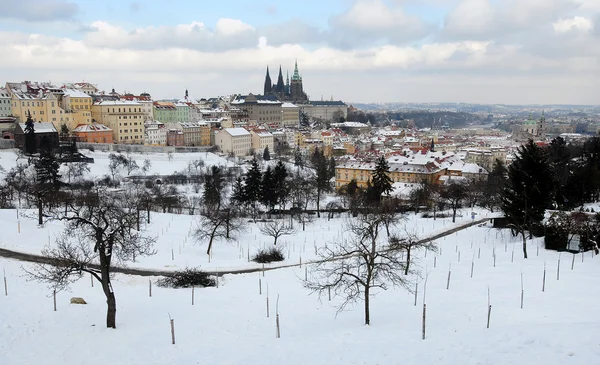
{"x":76,"y":170}
{"x":305,"y":218}
{"x":276,"y":229}
{"x":353,"y":268}
{"x":454,"y":194}
{"x":215,"y":225}
{"x":408,"y":242}
{"x":100,"y":229}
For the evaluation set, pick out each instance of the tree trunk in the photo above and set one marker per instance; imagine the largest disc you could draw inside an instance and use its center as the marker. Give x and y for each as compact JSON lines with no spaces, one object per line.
{"x":407,"y":261}
{"x":367,"y":312}
{"x":40,"y":209}
{"x":524,"y":244}
{"x":138,"y":218}
{"x":111,"y":310}
{"x":453,"y":215}
{"x":275,"y":243}
{"x":318,"y":203}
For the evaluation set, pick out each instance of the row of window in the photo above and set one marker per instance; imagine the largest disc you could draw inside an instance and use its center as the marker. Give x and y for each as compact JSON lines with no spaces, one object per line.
{"x":33,"y":103}
{"x":135,"y":110}
{"x":126,"y":138}
{"x":127,"y":130}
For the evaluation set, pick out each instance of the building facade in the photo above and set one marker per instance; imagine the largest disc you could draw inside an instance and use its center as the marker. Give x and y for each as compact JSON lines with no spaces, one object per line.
{"x":234,"y":141}
{"x":262,"y":139}
{"x":165,"y":112}
{"x":5,"y":103}
{"x":326,"y":110}
{"x":260,"y":110}
{"x":77,"y":107}
{"x":290,"y":115}
{"x":93,"y":133}
{"x":124,"y":118}
{"x":196,"y":133}
{"x":175,"y":138}
{"x":156,"y":133}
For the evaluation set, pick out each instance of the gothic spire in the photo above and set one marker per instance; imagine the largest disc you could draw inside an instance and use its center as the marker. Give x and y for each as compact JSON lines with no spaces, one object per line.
{"x":296,"y":76}
{"x":280,"y":83}
{"x":268,"y":84}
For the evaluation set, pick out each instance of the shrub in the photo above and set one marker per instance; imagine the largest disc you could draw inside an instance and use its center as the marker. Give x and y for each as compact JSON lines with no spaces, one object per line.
{"x":186,"y":279}
{"x":437,"y":215}
{"x":273,"y":254}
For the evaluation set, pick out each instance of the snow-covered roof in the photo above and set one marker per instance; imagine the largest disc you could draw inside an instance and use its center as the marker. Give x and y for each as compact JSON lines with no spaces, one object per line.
{"x":118,"y":103}
{"x":41,"y":127}
{"x":94,"y":127}
{"x":289,"y":105}
{"x":235,"y":132}
{"x":75,"y":93}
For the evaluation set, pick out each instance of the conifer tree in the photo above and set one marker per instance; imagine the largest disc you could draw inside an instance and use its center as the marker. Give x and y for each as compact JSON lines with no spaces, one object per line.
{"x":528,"y":191}
{"x":30,"y":144}
{"x":266,"y":154}
{"x":280,"y":175}
{"x":268,"y":190}
{"x":298,"y":159}
{"x":213,"y":187}
{"x":381,"y":181}
{"x":252,"y":188}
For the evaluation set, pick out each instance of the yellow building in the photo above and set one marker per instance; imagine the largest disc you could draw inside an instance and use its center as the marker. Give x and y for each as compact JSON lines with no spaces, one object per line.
{"x":401,"y":170}
{"x":39,"y":100}
{"x":77,"y":106}
{"x":125,"y":118}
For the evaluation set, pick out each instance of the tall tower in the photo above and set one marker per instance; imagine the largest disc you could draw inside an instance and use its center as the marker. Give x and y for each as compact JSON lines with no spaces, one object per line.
{"x":287,"y":83}
{"x":541,"y":127}
{"x":296,"y":89}
{"x":268,"y":84}
{"x":280,"y":84}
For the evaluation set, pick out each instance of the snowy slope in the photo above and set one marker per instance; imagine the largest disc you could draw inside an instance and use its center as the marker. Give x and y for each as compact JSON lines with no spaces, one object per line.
{"x":228,"y":325}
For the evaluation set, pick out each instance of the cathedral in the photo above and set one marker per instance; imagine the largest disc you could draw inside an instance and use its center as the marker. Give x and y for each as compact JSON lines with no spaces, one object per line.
{"x":286,"y":91}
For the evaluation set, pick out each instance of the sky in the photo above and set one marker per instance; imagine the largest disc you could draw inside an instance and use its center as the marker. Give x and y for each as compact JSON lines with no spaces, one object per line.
{"x":475,"y":51}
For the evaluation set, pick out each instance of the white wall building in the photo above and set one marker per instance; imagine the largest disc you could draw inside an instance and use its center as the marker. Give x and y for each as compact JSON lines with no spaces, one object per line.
{"x":5,"y":104}
{"x":156,"y":134}
{"x":236,"y":141}
{"x":262,"y":140}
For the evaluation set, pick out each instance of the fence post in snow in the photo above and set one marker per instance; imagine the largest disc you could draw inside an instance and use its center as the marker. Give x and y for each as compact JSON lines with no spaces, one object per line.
{"x":573,"y":262}
{"x":544,"y":278}
{"x":149,"y":288}
{"x":558,"y":268}
{"x":449,"y":273}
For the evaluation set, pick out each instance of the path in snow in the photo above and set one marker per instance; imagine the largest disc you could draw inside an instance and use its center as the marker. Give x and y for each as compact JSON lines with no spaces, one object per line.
{"x":21,"y":256}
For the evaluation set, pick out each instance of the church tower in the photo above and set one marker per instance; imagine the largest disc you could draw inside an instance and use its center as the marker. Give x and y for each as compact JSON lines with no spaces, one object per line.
{"x":541,"y":127}
{"x":268,"y":84}
{"x":296,"y":89}
{"x":287,"y":83}
{"x":280,"y":85}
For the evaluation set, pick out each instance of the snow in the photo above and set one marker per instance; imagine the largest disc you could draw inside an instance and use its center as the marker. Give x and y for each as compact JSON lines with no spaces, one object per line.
{"x":236,"y":132}
{"x":75,"y":93}
{"x":41,"y":127}
{"x":228,"y":325}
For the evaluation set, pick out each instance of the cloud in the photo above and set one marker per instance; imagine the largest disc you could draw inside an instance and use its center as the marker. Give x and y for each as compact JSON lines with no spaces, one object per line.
{"x":574,"y":24}
{"x":38,"y":10}
{"x":487,"y":19}
{"x":228,"y":34}
{"x":294,"y":31}
{"x":373,"y":20}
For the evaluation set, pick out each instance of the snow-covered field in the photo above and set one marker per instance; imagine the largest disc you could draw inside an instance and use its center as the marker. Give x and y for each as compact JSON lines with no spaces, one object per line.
{"x":229,"y":325}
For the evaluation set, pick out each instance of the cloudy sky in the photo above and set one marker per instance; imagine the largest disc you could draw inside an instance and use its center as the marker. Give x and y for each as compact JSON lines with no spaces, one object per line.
{"x":481,"y":51}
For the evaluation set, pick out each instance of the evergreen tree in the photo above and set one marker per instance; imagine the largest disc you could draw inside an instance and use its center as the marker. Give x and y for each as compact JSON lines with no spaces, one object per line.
{"x":331,"y":167}
{"x":238,"y":194}
{"x":321,"y":180}
{"x":268,"y":195}
{"x":559,"y":159}
{"x":47,"y":180}
{"x":213,"y":187}
{"x":266,"y":154}
{"x":280,"y":175}
{"x":494,"y":185}
{"x":298,"y":159}
{"x":528,"y":191}
{"x":64,"y":130}
{"x":381,"y":181}
{"x":252,"y":188}
{"x":316,"y":157}
{"x":30,"y":143}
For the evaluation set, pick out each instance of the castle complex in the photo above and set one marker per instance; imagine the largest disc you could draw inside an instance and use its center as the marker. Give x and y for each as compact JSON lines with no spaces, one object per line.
{"x":288,"y":91}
